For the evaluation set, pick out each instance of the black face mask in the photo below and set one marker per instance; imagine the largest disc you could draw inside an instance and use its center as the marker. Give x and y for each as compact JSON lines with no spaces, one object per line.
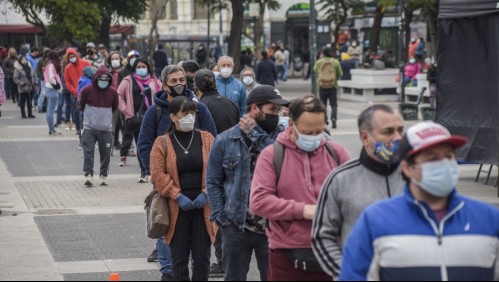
{"x":90,"y":52}
{"x":175,"y":91}
{"x":270,"y":123}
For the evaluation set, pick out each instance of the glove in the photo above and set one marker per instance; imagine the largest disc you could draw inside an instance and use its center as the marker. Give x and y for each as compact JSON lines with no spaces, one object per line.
{"x":184,"y":203}
{"x":201,"y":201}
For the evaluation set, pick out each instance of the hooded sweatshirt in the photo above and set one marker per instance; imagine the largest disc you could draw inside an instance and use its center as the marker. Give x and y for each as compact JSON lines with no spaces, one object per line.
{"x":98,"y":104}
{"x":300,"y":184}
{"x":151,"y":128}
{"x":73,"y":72}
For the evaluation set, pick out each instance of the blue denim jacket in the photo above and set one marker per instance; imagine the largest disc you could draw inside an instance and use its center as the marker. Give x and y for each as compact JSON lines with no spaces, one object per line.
{"x":228,"y":180}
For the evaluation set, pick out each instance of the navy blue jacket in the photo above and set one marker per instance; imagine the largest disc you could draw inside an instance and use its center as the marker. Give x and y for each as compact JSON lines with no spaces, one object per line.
{"x":400,"y":239}
{"x":266,"y":73}
{"x":150,"y":129}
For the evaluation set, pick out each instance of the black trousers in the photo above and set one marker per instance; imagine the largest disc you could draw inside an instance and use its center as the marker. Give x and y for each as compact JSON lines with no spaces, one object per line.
{"x":191,"y":236}
{"x":218,"y":246}
{"x":25,"y":98}
{"x":331,"y":95}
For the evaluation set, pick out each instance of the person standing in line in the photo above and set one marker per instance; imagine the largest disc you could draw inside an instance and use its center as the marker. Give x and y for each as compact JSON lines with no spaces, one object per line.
{"x":230,"y":172}
{"x":72,"y":74}
{"x":329,"y":71}
{"x":430,"y":232}
{"x":345,"y":193}
{"x":102,"y":52}
{"x":65,"y":99}
{"x":285,"y":66}
{"x":25,"y":81}
{"x":136,"y":93}
{"x":190,"y":67}
{"x":201,"y":56}
{"x":266,"y":73}
{"x":115,"y":62}
{"x":97,"y":101}
{"x":32,"y":56}
{"x":3,"y":96}
{"x":179,"y":175}
{"x":8,"y":68}
{"x":228,"y":86}
{"x":156,"y":122}
{"x":39,"y":100}
{"x":160,"y":60}
{"x":247,"y":77}
{"x":53,"y":86}
{"x":93,"y":57}
{"x":287,"y":195}
{"x":279,"y":62}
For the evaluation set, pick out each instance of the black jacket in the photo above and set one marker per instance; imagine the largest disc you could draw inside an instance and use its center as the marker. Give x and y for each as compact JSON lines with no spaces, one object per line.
{"x":266,"y":73}
{"x":224,"y":112}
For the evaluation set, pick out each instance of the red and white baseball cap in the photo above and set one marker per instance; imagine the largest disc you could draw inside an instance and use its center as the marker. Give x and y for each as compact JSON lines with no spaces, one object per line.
{"x":425,"y":135}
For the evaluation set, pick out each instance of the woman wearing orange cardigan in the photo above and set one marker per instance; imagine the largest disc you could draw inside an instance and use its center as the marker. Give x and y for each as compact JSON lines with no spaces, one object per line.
{"x":179,"y":174}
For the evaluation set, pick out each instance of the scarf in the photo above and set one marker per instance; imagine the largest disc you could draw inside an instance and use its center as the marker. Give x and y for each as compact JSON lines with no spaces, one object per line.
{"x":145,"y":82}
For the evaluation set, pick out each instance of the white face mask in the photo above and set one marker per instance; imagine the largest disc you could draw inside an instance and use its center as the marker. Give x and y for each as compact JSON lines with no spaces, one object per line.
{"x":186,"y":123}
{"x":226,"y":72}
{"x":216,"y":73}
{"x":73,"y":60}
{"x":308,"y":143}
{"x":412,"y":61}
{"x":132,"y":61}
{"x":115,"y":63}
{"x":248,"y":80}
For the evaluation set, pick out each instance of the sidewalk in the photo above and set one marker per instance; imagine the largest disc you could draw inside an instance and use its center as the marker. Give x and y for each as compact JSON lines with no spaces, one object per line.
{"x":52,"y":228}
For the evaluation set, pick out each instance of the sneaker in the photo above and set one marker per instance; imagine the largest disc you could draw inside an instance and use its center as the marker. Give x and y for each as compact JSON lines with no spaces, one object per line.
{"x":68,"y":126}
{"x":103,"y":181}
{"x":334,"y":123}
{"x":153,"y":257}
{"x":57,"y":124}
{"x":31,"y":116}
{"x":54,"y":133}
{"x":132,"y":153}
{"x":89,"y":181}
{"x":167,"y":277}
{"x":80,"y":147}
{"x":122,"y":162}
{"x":144,"y":178}
{"x":217,"y":269}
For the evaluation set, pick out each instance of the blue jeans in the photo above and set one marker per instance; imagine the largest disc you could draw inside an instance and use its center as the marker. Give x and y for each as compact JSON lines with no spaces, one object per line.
{"x":238,"y":248}
{"x":164,"y":256}
{"x":284,"y":75}
{"x":64,"y":99}
{"x":43,"y":93}
{"x":52,"y":97}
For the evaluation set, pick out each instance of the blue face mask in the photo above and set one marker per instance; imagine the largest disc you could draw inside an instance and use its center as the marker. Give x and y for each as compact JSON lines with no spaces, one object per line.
{"x":384,"y":152}
{"x":308,"y":143}
{"x":439,"y":177}
{"x":103,"y":84}
{"x":284,"y":121}
{"x":141,"y":72}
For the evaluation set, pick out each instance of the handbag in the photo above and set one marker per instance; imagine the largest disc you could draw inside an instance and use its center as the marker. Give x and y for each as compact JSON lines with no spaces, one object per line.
{"x":304,"y":260}
{"x":157,"y":211}
{"x":134,"y":123}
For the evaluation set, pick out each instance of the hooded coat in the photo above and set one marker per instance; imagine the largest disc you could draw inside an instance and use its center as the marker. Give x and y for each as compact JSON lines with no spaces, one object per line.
{"x":98,"y":104}
{"x":73,"y":72}
{"x":24,"y":85}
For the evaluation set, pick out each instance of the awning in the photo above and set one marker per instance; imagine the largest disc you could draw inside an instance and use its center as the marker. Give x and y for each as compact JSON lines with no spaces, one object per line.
{"x":19,"y":28}
{"x":467,"y":8}
{"x":118,"y":29}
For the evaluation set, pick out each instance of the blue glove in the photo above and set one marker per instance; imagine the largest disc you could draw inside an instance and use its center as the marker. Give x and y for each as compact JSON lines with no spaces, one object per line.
{"x":201,"y":201}
{"x":184,"y":203}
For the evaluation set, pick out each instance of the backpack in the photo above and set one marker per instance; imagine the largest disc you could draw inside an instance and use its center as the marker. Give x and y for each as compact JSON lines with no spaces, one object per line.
{"x":279,"y":151}
{"x":327,"y":75}
{"x":157,"y":210}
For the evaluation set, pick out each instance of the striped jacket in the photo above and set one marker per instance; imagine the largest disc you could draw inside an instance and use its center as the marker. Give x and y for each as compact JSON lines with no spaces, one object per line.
{"x":400,"y":239}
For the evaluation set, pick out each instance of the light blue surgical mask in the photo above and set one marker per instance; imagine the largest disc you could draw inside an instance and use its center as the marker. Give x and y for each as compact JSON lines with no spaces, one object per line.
{"x":308,"y":143}
{"x":284,"y":121}
{"x":132,"y":60}
{"x":103,"y":84}
{"x":439,"y":177}
{"x":141,"y":72}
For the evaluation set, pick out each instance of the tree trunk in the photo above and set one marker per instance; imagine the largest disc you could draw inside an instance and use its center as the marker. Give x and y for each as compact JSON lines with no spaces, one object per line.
{"x":259,"y":30}
{"x":236,"y":27}
{"x":409,"y":14}
{"x":105,"y":27}
{"x":432,"y":25}
{"x":376,"y":29}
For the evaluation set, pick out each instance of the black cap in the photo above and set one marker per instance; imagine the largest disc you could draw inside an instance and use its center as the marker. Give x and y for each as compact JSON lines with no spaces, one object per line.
{"x":190,"y":66}
{"x":265,"y":94}
{"x":200,"y":79}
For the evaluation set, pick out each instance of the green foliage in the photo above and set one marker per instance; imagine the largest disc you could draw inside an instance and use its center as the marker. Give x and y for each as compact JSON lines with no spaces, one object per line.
{"x":78,"y":20}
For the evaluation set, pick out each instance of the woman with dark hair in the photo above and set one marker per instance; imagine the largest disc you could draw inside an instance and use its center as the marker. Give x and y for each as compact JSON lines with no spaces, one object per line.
{"x":65,"y":97}
{"x":53,"y":85}
{"x":25,"y":79}
{"x":179,"y":174}
{"x":136,"y":96}
{"x":287,"y":195}
{"x":8,"y":68}
{"x":115,"y":63}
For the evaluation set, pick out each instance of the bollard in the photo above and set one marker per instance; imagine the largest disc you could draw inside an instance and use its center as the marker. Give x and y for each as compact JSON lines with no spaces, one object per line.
{"x":114,"y":277}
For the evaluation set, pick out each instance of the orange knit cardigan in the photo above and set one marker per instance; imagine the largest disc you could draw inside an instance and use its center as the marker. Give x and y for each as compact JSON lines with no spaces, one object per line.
{"x":168,"y":183}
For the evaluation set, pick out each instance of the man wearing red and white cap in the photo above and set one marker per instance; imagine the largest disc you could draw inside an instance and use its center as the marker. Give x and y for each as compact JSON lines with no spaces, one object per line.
{"x":430,"y":232}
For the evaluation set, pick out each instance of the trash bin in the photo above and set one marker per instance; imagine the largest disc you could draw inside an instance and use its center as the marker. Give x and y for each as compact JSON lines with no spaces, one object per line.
{"x":409,"y":111}
{"x":428,"y":113}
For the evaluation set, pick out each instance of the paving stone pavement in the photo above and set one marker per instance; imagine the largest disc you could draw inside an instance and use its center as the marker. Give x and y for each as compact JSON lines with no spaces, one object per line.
{"x":53,"y":228}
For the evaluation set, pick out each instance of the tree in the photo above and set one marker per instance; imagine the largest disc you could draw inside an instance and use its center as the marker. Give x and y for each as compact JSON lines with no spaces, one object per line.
{"x":263,"y":4}
{"x":337,"y":12}
{"x":79,"y":21}
{"x":157,"y":9}
{"x":236,"y":31}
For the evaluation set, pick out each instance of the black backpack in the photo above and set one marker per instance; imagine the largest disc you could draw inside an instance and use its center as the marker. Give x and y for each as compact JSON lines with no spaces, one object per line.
{"x":279,"y":151}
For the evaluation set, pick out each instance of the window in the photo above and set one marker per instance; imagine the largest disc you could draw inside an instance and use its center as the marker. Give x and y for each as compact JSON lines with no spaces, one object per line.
{"x":173,"y":10}
{"x":200,"y":13}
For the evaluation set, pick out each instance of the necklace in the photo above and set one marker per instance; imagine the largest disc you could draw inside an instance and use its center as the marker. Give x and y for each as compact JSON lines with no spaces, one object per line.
{"x":186,"y":151}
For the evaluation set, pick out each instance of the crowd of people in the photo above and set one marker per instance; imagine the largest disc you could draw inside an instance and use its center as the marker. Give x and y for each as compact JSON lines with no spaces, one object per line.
{"x":248,"y":171}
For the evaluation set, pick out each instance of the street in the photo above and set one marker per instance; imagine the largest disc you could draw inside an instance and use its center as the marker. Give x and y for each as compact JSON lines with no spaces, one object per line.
{"x":54,"y":228}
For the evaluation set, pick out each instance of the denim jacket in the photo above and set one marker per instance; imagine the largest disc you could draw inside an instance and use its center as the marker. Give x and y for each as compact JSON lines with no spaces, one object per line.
{"x":228,"y":180}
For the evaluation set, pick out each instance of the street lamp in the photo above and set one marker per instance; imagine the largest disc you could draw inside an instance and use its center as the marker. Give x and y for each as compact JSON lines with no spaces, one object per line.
{"x":313,"y":45}
{"x":401,"y":49}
